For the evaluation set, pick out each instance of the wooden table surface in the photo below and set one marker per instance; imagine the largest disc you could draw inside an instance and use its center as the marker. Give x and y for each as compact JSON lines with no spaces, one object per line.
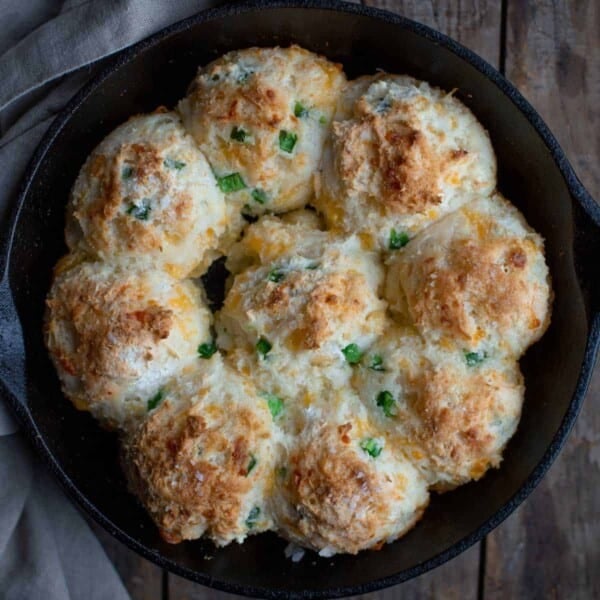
{"x":550,"y":547}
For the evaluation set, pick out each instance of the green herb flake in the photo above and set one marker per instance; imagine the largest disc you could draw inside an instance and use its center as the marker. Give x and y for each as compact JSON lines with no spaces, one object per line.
{"x":386,"y":402}
{"x":231,"y":183}
{"x":171,"y":163}
{"x":207,"y":349}
{"x":474,"y":358}
{"x":259,"y":196}
{"x":383,"y":106}
{"x":398,"y":239}
{"x":127,"y":172}
{"x":300,"y":110}
{"x":377,"y":363}
{"x":156,"y":399}
{"x":253,"y":517}
{"x":275,"y":403}
{"x":352,"y":353}
{"x":312,"y":266}
{"x":276,"y":275}
{"x":323,"y":120}
{"x":251,"y":464}
{"x":244,"y":76}
{"x":287,"y":140}
{"x":281,"y":472}
{"x":238,"y":134}
{"x":140,"y":211}
{"x":263,"y":346}
{"x":372,"y":447}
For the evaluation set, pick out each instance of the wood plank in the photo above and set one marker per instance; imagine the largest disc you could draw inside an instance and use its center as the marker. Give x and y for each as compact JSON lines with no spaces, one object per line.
{"x":454,"y":580}
{"x":142,"y":578}
{"x":183,"y":589}
{"x":475,"y":24}
{"x":549,"y":547}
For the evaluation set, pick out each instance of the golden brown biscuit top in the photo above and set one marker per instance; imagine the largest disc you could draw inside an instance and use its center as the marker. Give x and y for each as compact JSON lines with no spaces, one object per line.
{"x":461,"y":415}
{"x":474,"y":283}
{"x":328,"y":299}
{"x":109,"y":213}
{"x":191,"y":468}
{"x":103,"y":318}
{"x":337,"y":494}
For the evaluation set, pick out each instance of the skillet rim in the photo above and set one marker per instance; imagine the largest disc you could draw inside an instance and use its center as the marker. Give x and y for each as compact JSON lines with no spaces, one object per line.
{"x":575,"y":187}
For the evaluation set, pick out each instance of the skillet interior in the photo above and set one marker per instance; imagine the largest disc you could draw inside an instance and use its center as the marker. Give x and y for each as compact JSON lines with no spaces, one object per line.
{"x":158,"y":73}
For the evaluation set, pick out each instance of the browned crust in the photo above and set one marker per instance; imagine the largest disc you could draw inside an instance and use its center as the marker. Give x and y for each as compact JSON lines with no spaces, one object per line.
{"x":329,"y":486}
{"x":105,"y":218}
{"x":327,"y":300}
{"x":101,"y":318}
{"x":489,"y":276}
{"x":171,"y":468}
{"x":404,"y":169}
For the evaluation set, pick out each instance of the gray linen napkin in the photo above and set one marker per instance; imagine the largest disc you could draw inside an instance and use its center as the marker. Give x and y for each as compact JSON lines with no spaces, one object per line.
{"x":48,"y":50}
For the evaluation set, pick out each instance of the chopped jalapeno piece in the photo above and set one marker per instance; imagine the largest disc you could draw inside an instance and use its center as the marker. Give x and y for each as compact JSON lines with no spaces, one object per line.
{"x":287,"y":140}
{"x":383,"y":106}
{"x":251,"y":464}
{"x":127,"y":172}
{"x":156,"y":399}
{"x":263,"y":346}
{"x":171,"y":163}
{"x":238,"y":134}
{"x":300,"y":110}
{"x":372,"y":447}
{"x":377,"y":363}
{"x":231,"y":183}
{"x":140,"y":211}
{"x":352,"y":353}
{"x":244,"y":76}
{"x":275,"y":403}
{"x":474,"y":358}
{"x":276,"y":275}
{"x":252,"y":517}
{"x":398,"y":239}
{"x":207,"y":349}
{"x":386,"y":401}
{"x":259,"y":196}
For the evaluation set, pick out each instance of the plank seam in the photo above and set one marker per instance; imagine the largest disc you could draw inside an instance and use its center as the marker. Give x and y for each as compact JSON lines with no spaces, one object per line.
{"x":165,"y":585}
{"x":482,"y":565}
{"x":503,"y":26}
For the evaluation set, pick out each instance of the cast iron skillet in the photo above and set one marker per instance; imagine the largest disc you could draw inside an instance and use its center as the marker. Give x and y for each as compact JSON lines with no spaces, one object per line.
{"x":533,"y":172}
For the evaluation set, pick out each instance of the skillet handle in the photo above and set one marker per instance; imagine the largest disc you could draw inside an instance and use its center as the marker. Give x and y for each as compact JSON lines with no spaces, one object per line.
{"x":12,"y":348}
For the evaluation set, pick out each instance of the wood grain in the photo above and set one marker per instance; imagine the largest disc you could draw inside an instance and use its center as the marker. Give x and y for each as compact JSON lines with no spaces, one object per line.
{"x":454,"y":580}
{"x":473,"y":23}
{"x":182,"y":589}
{"x":549,"y":547}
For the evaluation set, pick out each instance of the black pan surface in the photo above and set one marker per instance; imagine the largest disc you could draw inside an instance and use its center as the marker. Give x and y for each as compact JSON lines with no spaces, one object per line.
{"x":533,"y":173}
